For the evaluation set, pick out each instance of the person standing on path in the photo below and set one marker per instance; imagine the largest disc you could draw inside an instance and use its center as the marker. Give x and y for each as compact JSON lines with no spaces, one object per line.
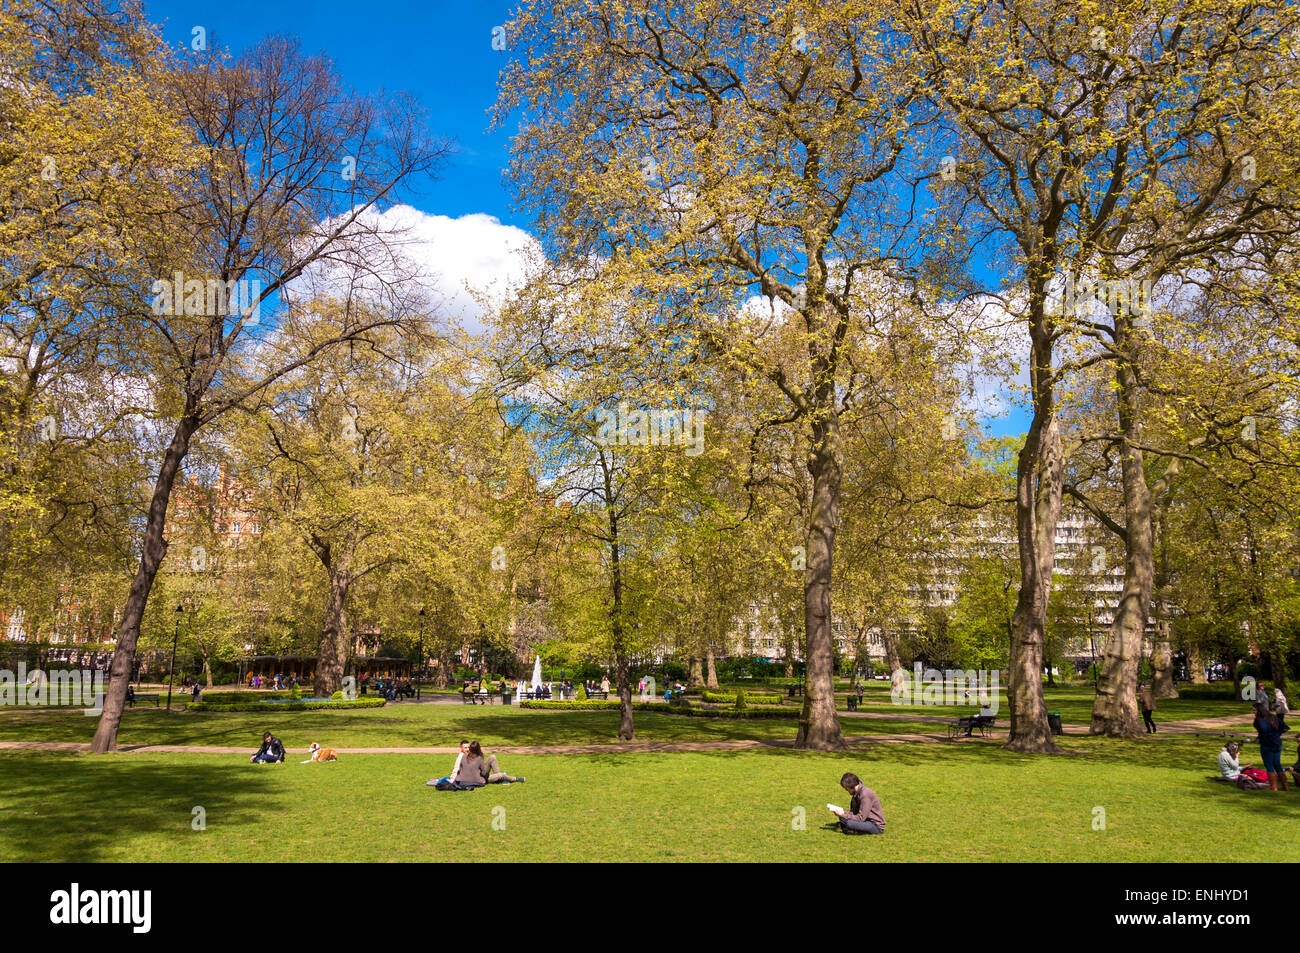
{"x":1148,"y":707}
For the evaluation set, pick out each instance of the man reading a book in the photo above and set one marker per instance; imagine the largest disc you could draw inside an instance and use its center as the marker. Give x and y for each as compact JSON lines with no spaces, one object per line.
{"x":864,"y":815}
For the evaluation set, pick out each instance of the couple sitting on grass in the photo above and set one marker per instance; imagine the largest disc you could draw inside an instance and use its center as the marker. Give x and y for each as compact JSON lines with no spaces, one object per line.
{"x":472,"y":770}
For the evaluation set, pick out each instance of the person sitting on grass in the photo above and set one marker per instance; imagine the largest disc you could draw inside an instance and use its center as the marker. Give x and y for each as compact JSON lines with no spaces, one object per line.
{"x":865,"y":815}
{"x":271,"y":752}
{"x":490,"y":771}
{"x":1295,"y":769}
{"x":455,"y":769}
{"x":1230,"y":769}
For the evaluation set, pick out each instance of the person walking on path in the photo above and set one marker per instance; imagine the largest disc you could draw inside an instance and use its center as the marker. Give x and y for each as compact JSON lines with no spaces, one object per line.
{"x":1148,"y":707}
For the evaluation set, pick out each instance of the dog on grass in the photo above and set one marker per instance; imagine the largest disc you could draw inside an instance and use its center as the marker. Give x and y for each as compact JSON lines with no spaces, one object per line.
{"x":321,"y":754}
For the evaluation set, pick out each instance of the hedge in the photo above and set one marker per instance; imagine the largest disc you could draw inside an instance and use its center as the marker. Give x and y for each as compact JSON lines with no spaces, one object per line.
{"x":721,"y":698}
{"x":230,"y":698}
{"x":287,"y":706}
{"x":665,"y":708}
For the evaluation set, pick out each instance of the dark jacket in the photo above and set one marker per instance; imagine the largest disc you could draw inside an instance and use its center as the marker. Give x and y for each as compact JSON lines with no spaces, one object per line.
{"x":273,"y":748}
{"x":865,"y":806}
{"x":1270,"y":738}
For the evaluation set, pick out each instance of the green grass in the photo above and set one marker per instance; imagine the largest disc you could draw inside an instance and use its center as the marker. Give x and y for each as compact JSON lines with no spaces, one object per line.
{"x":407,"y":725}
{"x":942,"y":803}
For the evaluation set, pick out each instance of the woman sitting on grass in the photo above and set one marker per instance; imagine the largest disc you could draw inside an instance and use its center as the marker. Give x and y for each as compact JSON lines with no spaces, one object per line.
{"x":476,"y":769}
{"x":472,"y":770}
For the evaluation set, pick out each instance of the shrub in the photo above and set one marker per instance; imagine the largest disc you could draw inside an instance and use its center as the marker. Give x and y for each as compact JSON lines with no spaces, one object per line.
{"x":740,"y":699}
{"x":663,"y":708}
{"x":337,"y":696}
{"x":288,"y":706}
{"x":728,"y":698}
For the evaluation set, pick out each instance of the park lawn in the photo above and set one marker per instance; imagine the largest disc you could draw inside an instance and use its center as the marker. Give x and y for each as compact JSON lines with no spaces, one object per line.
{"x":408,"y":725}
{"x":968,"y":802}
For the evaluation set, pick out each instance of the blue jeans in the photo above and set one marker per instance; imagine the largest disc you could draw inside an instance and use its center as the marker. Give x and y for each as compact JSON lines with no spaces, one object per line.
{"x":848,"y":826}
{"x":267,"y":758}
{"x":1272,"y":760}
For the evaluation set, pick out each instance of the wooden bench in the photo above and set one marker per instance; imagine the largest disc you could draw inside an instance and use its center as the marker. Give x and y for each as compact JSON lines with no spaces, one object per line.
{"x":601,"y":695}
{"x":475,"y":698}
{"x":967,"y":725}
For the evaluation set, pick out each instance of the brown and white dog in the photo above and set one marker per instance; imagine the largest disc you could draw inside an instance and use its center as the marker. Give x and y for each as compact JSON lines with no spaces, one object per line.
{"x":321,"y":754}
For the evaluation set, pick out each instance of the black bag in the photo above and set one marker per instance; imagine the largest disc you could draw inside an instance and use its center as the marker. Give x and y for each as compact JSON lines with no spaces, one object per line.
{"x":445,"y":785}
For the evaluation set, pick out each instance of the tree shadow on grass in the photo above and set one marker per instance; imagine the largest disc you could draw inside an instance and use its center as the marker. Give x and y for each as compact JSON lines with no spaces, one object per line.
{"x":74,"y":808}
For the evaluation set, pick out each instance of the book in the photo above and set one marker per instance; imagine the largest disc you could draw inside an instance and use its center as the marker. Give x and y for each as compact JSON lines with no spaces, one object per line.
{"x":833,"y":809}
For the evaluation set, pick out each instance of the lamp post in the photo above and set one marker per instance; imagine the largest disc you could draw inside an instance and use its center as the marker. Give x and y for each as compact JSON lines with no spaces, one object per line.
{"x":417,"y":677}
{"x":171,"y":669}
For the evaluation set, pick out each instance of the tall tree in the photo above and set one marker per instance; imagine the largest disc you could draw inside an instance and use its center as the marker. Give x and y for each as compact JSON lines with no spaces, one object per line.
{"x":253,"y":223}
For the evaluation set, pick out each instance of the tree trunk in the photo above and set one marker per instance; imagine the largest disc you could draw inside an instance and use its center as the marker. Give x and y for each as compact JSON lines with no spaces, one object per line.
{"x":332,"y":654}
{"x":890,"y":643}
{"x":1162,"y":651}
{"x":1196,"y":662}
{"x":622,"y":664}
{"x":712,"y":673}
{"x":152,"y":551}
{"x":695,"y":678}
{"x":819,"y":726}
{"x":1038,"y":506}
{"x":1115,"y":709}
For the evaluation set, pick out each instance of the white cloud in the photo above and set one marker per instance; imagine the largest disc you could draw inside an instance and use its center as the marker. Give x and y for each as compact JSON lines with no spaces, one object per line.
{"x":465,"y":264}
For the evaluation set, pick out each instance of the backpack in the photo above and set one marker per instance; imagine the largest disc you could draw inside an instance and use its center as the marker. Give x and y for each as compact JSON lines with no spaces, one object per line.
{"x":1256,"y":774}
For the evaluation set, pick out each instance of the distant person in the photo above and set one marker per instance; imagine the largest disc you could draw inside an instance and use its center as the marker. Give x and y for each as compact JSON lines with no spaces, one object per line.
{"x":1271,"y":728}
{"x":130,"y":696}
{"x":196,"y":690}
{"x":865,"y":815}
{"x":640,"y":687}
{"x":271,"y":752}
{"x":604,"y":684}
{"x":1280,"y":704}
{"x":1148,"y":700}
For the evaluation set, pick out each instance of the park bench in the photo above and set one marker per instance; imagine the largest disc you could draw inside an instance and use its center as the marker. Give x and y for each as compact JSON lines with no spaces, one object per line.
{"x":967,"y":725}
{"x":474,"y":698}
{"x":600,"y":695}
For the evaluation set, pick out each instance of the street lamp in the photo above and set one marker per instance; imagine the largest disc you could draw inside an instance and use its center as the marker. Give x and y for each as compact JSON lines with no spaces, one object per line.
{"x":171,"y":669}
{"x":417,"y":678}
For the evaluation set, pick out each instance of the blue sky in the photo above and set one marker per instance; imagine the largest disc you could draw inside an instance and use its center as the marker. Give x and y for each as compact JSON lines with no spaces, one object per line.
{"x":441,"y":52}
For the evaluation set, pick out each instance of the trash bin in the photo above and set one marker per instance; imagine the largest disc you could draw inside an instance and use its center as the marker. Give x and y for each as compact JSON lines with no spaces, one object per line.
{"x":853,"y":703}
{"x":505,"y":696}
{"x":1054,"y":722}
